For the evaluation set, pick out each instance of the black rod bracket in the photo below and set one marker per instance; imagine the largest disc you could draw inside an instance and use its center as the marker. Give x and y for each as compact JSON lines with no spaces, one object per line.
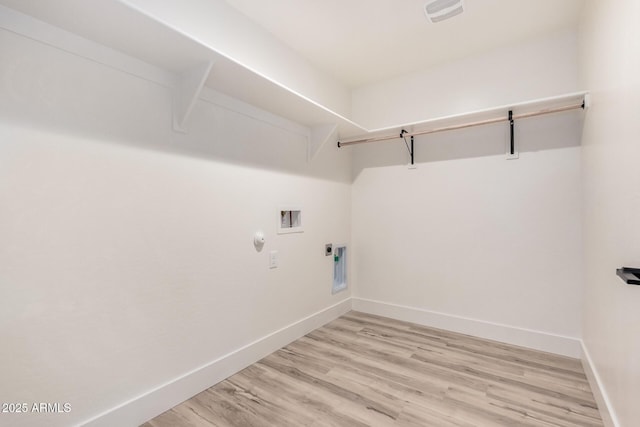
{"x":512,"y":153}
{"x":409,"y":148}
{"x":511,"y":125}
{"x":412,"y":151}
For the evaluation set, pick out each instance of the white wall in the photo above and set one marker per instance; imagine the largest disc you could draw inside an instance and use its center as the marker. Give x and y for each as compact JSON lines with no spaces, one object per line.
{"x":471,"y":235}
{"x":610,"y":65}
{"x":540,"y":68}
{"x":126,"y":255}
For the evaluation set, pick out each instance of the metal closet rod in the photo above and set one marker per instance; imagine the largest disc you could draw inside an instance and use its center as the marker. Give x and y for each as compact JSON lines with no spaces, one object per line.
{"x":466,"y":125}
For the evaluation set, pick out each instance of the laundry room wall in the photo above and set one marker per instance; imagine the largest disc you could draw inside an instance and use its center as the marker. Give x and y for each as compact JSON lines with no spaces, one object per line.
{"x":126,"y":258}
{"x":537,"y":68}
{"x":610,"y":60}
{"x":469,"y":240}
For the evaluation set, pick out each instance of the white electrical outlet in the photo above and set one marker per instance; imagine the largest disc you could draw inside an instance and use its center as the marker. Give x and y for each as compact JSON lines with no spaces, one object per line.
{"x":273,"y":259}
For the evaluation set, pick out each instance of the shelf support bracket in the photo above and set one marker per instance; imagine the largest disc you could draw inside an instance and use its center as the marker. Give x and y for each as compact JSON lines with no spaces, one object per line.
{"x":412,"y":151}
{"x":512,"y":153}
{"x":318,"y":136}
{"x":186,"y":92}
{"x":409,"y":147}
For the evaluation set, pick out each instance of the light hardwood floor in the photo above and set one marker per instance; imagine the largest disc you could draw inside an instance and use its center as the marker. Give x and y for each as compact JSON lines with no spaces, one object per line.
{"x":364,"y":370}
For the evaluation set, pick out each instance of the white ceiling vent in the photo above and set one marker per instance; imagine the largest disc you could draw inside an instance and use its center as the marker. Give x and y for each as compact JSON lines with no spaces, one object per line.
{"x":439,"y":10}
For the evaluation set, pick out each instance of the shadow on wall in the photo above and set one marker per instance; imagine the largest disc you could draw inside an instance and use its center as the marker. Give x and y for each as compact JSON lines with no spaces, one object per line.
{"x":214,"y":134}
{"x":47,"y":89}
{"x":221,"y":134}
{"x":557,"y":131}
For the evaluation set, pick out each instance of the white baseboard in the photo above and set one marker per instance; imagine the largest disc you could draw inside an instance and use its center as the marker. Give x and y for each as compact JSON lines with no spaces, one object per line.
{"x":538,"y":340}
{"x":154,"y":402}
{"x":607,"y":413}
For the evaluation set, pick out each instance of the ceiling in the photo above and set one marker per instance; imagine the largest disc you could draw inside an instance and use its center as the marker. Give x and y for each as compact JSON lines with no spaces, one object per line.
{"x":352,"y":40}
{"x":360,"y":42}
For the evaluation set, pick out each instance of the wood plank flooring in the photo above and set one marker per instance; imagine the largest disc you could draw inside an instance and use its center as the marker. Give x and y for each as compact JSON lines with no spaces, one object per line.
{"x":365,"y":370}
